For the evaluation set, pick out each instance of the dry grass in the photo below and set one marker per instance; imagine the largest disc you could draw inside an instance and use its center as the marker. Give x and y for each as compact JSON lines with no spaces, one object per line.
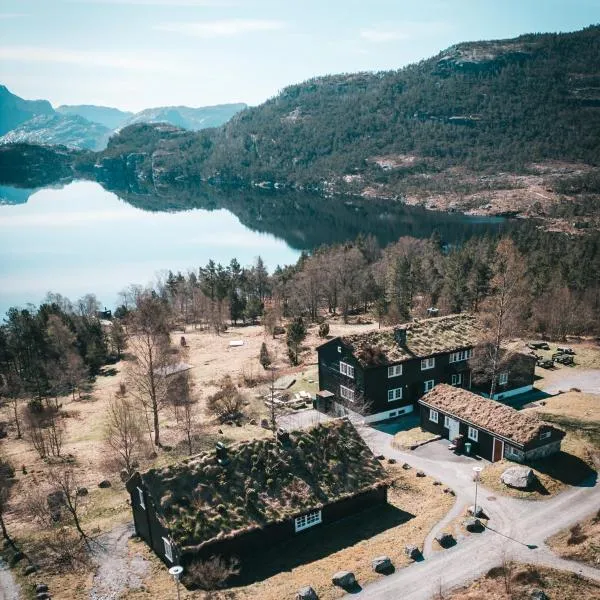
{"x":526,"y":578}
{"x":352,"y":543}
{"x":580,"y":542}
{"x":572,"y":465}
{"x":405,"y":440}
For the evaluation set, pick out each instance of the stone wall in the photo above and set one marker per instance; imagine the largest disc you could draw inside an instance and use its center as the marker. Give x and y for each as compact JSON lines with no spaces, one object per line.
{"x":543,"y":451}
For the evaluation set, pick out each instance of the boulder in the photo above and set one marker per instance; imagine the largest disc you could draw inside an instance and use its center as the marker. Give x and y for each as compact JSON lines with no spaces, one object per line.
{"x":253,"y":422}
{"x":82,"y":491}
{"x":412,"y":552}
{"x":478,"y":514}
{"x":421,"y":474}
{"x":406,"y":466}
{"x":473,"y":525}
{"x":382,"y":564}
{"x":123,"y":475}
{"x":306,"y":593}
{"x":264,"y":423}
{"x":521,"y":478}
{"x":16,"y":558}
{"x":444,"y":539}
{"x":344,"y":579}
{"x":29,"y":570}
{"x":40,"y":588}
{"x":42,"y":596}
{"x":539,"y":595}
{"x":380,"y":457}
{"x":105,"y":483}
{"x":437,"y":483}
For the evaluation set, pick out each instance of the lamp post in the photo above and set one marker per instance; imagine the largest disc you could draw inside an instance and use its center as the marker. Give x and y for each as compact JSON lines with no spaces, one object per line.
{"x":176,"y":572}
{"x":476,"y":474}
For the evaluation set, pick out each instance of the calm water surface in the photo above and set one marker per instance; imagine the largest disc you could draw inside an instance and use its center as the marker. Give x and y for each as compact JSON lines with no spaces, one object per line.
{"x":82,"y":238}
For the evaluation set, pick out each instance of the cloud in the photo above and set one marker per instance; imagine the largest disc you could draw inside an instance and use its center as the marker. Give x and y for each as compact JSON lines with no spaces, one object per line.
{"x":222,"y":28}
{"x":87,"y":58}
{"x":405,"y":31}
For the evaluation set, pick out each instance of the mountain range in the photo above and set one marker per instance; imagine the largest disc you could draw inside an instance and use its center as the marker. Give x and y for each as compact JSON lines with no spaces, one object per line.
{"x":88,"y":127}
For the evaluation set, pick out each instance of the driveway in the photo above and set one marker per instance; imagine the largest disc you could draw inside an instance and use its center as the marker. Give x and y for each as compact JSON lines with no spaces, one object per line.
{"x":516,"y":528}
{"x":565,"y":378}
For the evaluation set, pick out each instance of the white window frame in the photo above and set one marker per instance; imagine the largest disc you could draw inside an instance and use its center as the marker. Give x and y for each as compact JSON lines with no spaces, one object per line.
{"x":168,"y":549}
{"x":434,"y":415}
{"x":340,"y":349}
{"x":308,"y":520}
{"x":456,"y":378}
{"x":545,"y":435}
{"x":427,"y":363}
{"x":446,"y":421}
{"x":141,"y":497}
{"x":396,"y":394}
{"x":346,"y":369}
{"x":473,"y":434}
{"x":461,"y":355}
{"x":428,"y":385}
{"x":346,"y":393}
{"x":511,"y":451}
{"x":394,"y":371}
{"x":503,"y":378}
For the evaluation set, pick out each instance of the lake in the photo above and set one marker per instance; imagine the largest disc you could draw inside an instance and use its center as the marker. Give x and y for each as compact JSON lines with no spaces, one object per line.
{"x":82,"y":238}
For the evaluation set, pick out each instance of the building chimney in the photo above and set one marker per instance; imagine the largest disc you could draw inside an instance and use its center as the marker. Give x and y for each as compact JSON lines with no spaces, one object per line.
{"x":400,"y":335}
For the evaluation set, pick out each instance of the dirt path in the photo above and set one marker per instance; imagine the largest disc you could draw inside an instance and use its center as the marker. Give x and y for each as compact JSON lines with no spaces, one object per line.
{"x":116,"y":572}
{"x":517,"y":529}
{"x":9,"y":589}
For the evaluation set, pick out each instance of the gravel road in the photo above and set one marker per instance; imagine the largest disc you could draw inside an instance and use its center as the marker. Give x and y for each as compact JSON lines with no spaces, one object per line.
{"x":9,"y":589}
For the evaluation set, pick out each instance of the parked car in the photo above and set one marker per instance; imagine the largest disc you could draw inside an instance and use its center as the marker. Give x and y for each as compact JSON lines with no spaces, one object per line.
{"x":545,"y":363}
{"x":565,"y":350}
{"x":564,"y":359}
{"x":539,"y":345}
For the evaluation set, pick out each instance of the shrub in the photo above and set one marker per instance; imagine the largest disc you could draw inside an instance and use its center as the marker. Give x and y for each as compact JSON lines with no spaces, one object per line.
{"x":577,"y":536}
{"x":323,"y":330}
{"x":212,"y":574}
{"x":264,"y":357}
{"x":227,"y":403}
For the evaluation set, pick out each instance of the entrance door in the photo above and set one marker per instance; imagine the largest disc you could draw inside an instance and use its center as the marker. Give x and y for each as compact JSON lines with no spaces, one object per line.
{"x":498,"y":450}
{"x":453,"y":428}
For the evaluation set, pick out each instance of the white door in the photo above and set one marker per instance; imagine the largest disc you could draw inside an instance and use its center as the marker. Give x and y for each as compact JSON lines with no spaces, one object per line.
{"x":453,"y":428}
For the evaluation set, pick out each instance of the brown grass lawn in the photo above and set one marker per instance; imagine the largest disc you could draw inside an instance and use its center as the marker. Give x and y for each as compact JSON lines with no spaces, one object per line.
{"x":580,"y":542}
{"x":405,"y":439}
{"x":523,"y":580}
{"x":579,"y":415}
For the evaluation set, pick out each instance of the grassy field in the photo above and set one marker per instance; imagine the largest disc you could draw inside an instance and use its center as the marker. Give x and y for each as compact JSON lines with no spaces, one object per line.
{"x":519,"y":581}
{"x":404,"y":440}
{"x":580,"y":542}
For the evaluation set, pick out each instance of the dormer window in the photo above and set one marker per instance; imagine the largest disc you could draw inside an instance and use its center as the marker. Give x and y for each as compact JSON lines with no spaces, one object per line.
{"x":394,"y":371}
{"x":427,"y":363}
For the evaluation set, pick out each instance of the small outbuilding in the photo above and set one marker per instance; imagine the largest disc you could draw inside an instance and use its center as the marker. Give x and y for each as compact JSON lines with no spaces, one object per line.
{"x":494,"y":430}
{"x":237,"y":500}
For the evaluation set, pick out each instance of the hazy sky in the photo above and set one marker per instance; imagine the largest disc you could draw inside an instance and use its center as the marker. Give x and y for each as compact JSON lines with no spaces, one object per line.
{"x":134,"y":54}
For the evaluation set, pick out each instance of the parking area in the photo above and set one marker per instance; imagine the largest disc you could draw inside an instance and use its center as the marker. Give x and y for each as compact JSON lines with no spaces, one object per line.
{"x":438,"y":451}
{"x":565,"y":378}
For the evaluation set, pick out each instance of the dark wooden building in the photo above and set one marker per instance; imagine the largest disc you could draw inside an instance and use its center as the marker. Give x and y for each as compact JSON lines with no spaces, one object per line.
{"x":381,"y":374}
{"x":494,"y":430}
{"x":238,"y":500}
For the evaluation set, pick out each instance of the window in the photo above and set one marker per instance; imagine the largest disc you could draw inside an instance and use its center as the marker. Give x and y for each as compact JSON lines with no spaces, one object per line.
{"x":433,"y":415}
{"x":429,"y":385}
{"x":308,"y":520}
{"x":545,"y":435}
{"x":168,"y":549}
{"x":340,"y":349}
{"x":512,"y":452}
{"x":395,"y":394}
{"x":461,"y":355}
{"x":473,"y":434}
{"x":446,"y":421}
{"x":503,"y":378}
{"x":394,"y":371}
{"x":346,"y":369}
{"x":456,"y":378}
{"x":346,"y":393}
{"x":141,"y":496}
{"x":393,"y":413}
{"x":427,"y":363}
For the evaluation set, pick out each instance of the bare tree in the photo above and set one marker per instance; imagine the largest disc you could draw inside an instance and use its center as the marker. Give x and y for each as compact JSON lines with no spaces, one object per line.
{"x":228,"y":402}
{"x":124,"y":432}
{"x":7,"y":474}
{"x":502,"y":312}
{"x":147,"y":372}
{"x":65,"y":481}
{"x":44,"y":429}
{"x":183,"y":399}
{"x":11,"y":388}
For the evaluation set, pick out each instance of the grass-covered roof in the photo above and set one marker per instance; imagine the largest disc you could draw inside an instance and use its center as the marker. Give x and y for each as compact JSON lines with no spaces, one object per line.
{"x":424,"y":337}
{"x":488,"y":414}
{"x":265,"y":481}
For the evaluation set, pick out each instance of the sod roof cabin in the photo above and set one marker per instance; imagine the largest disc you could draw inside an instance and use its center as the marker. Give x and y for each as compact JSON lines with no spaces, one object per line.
{"x":234,"y":500}
{"x":493,"y":429}
{"x":417,"y":339}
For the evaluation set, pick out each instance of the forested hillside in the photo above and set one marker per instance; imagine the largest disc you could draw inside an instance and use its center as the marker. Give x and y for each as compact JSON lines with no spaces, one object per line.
{"x":482,"y":106}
